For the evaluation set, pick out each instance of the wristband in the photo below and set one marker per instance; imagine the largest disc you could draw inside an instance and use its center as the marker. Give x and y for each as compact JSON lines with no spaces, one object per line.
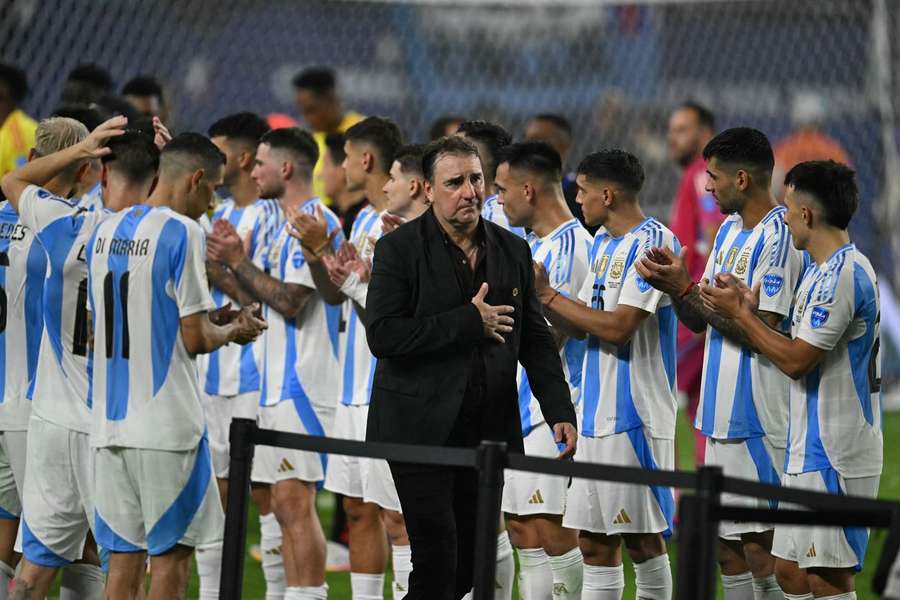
{"x":688,"y":289}
{"x":552,"y":298}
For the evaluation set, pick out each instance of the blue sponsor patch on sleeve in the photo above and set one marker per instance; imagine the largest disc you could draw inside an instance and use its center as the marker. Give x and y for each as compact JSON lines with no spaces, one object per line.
{"x":298,"y":259}
{"x":818,"y":316}
{"x":772,"y":284}
{"x":42,"y":193}
{"x":641,"y":284}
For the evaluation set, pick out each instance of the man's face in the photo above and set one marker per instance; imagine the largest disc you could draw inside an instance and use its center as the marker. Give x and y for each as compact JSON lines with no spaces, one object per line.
{"x":315,"y":109}
{"x":232,"y":158}
{"x":793,"y":217}
{"x":334,"y":180}
{"x":397,"y":190}
{"x":510,"y":185}
{"x":202,"y":195}
{"x":539,"y":130}
{"x":267,"y":173}
{"x":148,"y":106}
{"x":721,"y":182}
{"x":590,"y":197}
{"x":457,"y":193}
{"x":685,"y":136}
{"x":354,"y":169}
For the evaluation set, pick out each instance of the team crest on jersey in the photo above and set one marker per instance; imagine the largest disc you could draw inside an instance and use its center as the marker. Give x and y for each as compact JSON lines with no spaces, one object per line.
{"x":731,"y":256}
{"x":742,"y":263}
{"x":772,"y":284}
{"x":601,"y":264}
{"x":642,"y":284}
{"x":818,"y":316}
{"x":719,"y":258}
{"x":615,"y":271}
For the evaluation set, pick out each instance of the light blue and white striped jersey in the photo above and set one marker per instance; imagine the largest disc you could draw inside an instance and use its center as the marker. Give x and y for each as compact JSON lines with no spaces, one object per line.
{"x":23,"y":266}
{"x":300,"y":362}
{"x":357,"y":362}
{"x":630,"y":386}
{"x":93,"y":199}
{"x":234,"y":369}
{"x":564,"y":252}
{"x":492,"y":210}
{"x":147,"y":271}
{"x":743,"y":395}
{"x":60,"y":392}
{"x":836,"y":408}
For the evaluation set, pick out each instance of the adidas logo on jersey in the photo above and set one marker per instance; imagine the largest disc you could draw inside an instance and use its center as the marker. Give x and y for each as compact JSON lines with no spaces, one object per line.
{"x":285,"y":466}
{"x":276,"y":551}
{"x":622,"y":518}
{"x":536,"y":498}
{"x":559,"y":589}
{"x":811,"y":553}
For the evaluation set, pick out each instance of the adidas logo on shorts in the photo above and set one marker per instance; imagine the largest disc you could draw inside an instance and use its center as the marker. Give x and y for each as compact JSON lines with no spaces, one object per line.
{"x":536,"y":498}
{"x":811,"y":553}
{"x":285,"y":466}
{"x":622,"y":518}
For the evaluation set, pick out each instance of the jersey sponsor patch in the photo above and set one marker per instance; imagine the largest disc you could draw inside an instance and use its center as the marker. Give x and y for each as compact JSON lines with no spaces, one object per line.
{"x":772,"y":284}
{"x":641,"y":284}
{"x":818,"y":316}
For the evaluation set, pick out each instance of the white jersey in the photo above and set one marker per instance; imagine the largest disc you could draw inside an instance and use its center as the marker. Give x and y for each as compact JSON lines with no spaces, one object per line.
{"x":743,"y":395}
{"x":564,"y":253}
{"x":492,"y":211}
{"x":147,"y":271}
{"x":234,"y":369}
{"x":631,"y":386}
{"x":836,"y":408}
{"x":60,"y":393}
{"x":300,"y":361}
{"x":357,"y":362}
{"x":93,"y":199}
{"x":23,"y":266}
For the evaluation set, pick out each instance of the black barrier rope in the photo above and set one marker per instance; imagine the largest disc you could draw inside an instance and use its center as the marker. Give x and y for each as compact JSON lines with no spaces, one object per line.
{"x":699,"y":514}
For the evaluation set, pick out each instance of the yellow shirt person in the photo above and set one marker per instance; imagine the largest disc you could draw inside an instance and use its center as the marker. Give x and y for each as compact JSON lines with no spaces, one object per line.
{"x":16,"y":139}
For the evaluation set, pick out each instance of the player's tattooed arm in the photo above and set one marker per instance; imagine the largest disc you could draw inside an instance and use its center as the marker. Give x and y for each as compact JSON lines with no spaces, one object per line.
{"x":692,"y":312}
{"x":221,"y":277}
{"x":288,"y":299}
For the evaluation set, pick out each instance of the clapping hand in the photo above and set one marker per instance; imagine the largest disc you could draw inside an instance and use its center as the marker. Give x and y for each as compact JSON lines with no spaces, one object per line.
{"x":729,"y":296}
{"x":665,"y":270}
{"x":347,"y":260}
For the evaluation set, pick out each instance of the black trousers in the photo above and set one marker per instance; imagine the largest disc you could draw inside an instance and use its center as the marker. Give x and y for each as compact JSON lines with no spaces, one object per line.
{"x":439,"y":508}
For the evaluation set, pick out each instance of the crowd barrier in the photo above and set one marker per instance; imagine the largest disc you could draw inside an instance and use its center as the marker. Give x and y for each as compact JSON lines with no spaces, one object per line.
{"x":699,"y":513}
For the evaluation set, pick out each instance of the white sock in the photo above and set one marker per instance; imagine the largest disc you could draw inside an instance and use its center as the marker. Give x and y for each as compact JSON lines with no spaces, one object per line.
{"x":847,"y":596}
{"x":366,"y":586}
{"x":401,"y":557}
{"x":535,"y":575}
{"x":506,"y":568}
{"x":799,"y":597}
{"x":7,"y":574}
{"x":567,"y":575}
{"x":319,"y":592}
{"x":766,"y":588}
{"x":603,"y":583}
{"x":653,"y":578}
{"x":272,"y":561}
{"x":209,"y":569}
{"x":737,"y":587}
{"x":81,"y":582}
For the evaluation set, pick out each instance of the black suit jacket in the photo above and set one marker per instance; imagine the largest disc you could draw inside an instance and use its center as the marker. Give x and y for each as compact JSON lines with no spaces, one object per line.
{"x":423,"y":330}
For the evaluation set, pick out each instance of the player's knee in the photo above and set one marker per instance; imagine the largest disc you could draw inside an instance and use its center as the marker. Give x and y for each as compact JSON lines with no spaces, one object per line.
{"x":360,"y":513}
{"x":395,"y":526}
{"x":731,"y":557}
{"x":789,"y":575}
{"x":826,"y":582}
{"x":600,"y":549}
{"x":759,"y":559}
{"x":522,"y":533}
{"x":644,"y":546}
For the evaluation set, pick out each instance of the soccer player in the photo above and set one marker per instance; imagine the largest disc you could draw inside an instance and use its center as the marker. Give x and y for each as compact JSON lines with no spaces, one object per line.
{"x":86,"y":84}
{"x":628,"y":382}
{"x":833,"y":357}
{"x":529,"y":185}
{"x":370,"y":147}
{"x":489,"y":138}
{"x":58,"y":496}
{"x":16,"y":128}
{"x":230,"y":376}
{"x":154,"y":479}
{"x":300,"y":368}
{"x":145,"y":94}
{"x":743,"y":407}
{"x":347,"y":202}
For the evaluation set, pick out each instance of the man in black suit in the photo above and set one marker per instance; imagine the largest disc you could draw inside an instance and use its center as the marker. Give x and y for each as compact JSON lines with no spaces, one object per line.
{"x":451,"y":310}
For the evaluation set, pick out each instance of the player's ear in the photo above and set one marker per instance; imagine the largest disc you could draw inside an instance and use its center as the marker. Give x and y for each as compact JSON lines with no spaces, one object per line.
{"x":609,"y":195}
{"x":196,"y":177}
{"x":82,"y":171}
{"x":414,"y":187}
{"x":32,"y":154}
{"x":287,"y":170}
{"x":742,"y":180}
{"x":428,"y":189}
{"x":104,"y":176}
{"x":368,"y":161}
{"x":245,"y":160}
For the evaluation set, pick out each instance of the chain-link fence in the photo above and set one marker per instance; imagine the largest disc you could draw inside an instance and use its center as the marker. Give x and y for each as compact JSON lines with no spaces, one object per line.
{"x":614,"y":69}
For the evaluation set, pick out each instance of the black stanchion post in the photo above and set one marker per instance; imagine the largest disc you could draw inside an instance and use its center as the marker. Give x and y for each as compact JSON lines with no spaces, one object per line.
{"x":709,"y":489}
{"x":688,"y":559}
{"x":888,"y":556}
{"x":236,"y":513}
{"x":491,"y":461}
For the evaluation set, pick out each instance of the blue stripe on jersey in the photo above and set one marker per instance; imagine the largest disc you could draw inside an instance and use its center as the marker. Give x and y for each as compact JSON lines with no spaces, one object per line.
{"x":173,"y":524}
{"x":57,"y":239}
{"x":168,"y":263}
{"x":814,"y":452}
{"x":4,"y":249}
{"x":857,"y":537}
{"x":347,"y":393}
{"x":668,"y":333}
{"x":765,"y":469}
{"x":34,"y":316}
{"x":88,"y":253}
{"x":574,"y":355}
{"x":743,"y":410}
{"x":626,"y":412}
{"x":664,"y":496}
{"x":754,"y":259}
{"x":525,"y":404}
{"x":860,"y":350}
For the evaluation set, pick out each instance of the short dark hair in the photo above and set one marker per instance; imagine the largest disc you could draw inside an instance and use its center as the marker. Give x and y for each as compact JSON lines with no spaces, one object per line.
{"x":449,"y":144}
{"x":320,"y":80}
{"x":410,"y":159}
{"x":742,"y":147}
{"x":614,"y":165}
{"x":88,"y":116}
{"x":535,"y":157}
{"x":246,"y":127}
{"x":93,"y":75}
{"x":704,"y":116}
{"x":334,"y":143}
{"x":143,"y":85}
{"x":558,"y":121}
{"x":439,"y":126}
{"x":16,"y":80}
{"x":298,"y":142}
{"x":491,"y":136}
{"x":192,"y":151}
{"x":832,"y":184}
{"x":383,"y":134}
{"x":134,"y":154}
{"x":114,"y":105}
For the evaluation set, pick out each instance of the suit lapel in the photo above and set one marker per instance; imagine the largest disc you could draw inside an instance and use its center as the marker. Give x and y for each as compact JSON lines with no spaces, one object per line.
{"x":492,"y":271}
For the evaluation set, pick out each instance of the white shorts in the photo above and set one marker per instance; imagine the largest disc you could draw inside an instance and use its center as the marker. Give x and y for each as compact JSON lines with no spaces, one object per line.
{"x":272,"y":464}
{"x":755,"y":459}
{"x":825,"y":547}
{"x":58,"y":495}
{"x":613,"y":508}
{"x":526,"y":493}
{"x":219,"y":411}
{"x":13,"y":446}
{"x":357,"y":477}
{"x":151,"y":500}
